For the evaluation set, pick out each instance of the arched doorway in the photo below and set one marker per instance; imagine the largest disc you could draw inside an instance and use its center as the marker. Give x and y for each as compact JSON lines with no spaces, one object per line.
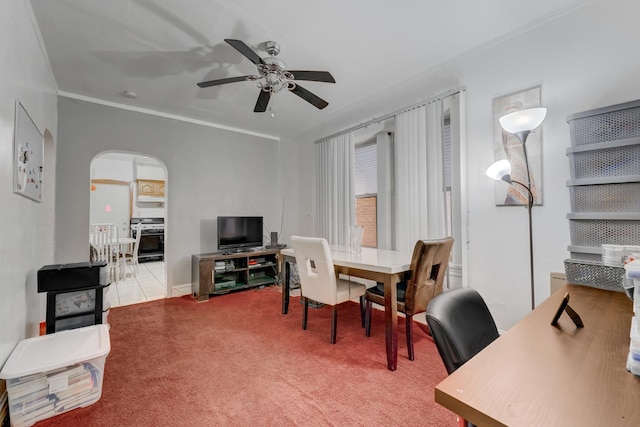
{"x":128,"y":188}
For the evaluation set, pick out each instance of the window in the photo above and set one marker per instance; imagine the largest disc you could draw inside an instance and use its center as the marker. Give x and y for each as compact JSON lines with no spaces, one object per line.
{"x":446,"y":167}
{"x":365,"y":176}
{"x":453,"y":147}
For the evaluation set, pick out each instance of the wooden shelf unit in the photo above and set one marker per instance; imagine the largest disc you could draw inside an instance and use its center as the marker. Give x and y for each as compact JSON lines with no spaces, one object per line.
{"x":235,"y":271}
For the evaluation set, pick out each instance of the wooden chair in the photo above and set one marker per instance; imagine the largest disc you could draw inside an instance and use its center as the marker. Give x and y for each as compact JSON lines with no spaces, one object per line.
{"x":104,"y":238}
{"x":428,"y":267}
{"x":461,"y":326}
{"x":318,"y":280}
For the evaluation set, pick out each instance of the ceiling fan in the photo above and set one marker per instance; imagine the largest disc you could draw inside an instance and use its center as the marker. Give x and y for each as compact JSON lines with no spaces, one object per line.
{"x":273,"y":76}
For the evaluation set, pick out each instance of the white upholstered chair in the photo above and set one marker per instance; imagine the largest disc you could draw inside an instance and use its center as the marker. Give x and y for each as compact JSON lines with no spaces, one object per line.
{"x":318,"y":280}
{"x":104,"y":239}
{"x":131,"y":258}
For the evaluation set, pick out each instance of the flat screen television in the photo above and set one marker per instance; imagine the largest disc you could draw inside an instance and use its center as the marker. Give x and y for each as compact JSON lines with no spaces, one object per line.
{"x":237,"y":233}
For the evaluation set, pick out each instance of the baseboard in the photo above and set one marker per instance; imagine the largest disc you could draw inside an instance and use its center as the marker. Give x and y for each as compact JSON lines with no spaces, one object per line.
{"x":180,"y":290}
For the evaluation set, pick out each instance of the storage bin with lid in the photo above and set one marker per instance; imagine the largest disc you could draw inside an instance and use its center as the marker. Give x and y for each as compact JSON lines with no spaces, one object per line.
{"x":52,"y":374}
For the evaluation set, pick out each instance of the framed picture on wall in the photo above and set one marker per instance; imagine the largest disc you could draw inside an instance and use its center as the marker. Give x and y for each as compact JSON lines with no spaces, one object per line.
{"x":28,"y":146}
{"x":507,"y":146}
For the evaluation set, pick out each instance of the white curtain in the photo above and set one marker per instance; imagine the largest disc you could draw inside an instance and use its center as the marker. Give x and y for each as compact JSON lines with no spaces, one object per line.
{"x":457,"y":103}
{"x":335,"y":190}
{"x":419,"y":201}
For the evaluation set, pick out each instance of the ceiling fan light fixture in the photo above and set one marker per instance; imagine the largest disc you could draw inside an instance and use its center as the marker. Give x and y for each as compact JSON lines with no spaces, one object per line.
{"x":275,"y":75}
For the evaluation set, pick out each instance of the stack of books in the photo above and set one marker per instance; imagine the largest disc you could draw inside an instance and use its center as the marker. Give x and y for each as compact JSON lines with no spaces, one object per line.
{"x":40,"y":396}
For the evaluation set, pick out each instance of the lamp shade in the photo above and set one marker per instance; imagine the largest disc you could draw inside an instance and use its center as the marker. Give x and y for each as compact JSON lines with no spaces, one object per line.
{"x":523,"y":120}
{"x":500,"y":170}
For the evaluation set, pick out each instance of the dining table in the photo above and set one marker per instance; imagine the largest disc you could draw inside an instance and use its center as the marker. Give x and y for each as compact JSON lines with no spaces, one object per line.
{"x":379,"y":265}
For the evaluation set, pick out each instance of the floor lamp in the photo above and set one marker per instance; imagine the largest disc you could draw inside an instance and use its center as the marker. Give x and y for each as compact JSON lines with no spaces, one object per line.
{"x":520,"y":123}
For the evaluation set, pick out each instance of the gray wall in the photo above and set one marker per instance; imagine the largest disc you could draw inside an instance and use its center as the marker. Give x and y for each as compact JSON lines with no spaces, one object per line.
{"x":26,"y":227}
{"x":210,"y":172}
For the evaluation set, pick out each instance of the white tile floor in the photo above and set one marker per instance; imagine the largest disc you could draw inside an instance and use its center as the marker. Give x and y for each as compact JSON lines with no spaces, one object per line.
{"x":149,"y":284}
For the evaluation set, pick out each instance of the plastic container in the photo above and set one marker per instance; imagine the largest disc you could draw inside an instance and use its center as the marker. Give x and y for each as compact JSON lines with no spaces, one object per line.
{"x":594,"y":274}
{"x":613,"y":161}
{"x":595,"y":232}
{"x":52,"y":374}
{"x":633,"y":365}
{"x":633,"y":360}
{"x":615,"y":122}
{"x":612,"y":255}
{"x":612,"y":198}
{"x":635,"y":328}
{"x":634,"y":345}
{"x":629,"y":287}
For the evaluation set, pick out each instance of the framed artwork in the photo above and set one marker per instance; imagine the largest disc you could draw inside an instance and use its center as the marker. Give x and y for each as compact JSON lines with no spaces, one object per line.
{"x":28,"y":146}
{"x":507,"y":146}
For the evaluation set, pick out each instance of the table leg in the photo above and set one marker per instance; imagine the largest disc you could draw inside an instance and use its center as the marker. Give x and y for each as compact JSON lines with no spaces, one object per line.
{"x":391,"y":321}
{"x":286,"y":267}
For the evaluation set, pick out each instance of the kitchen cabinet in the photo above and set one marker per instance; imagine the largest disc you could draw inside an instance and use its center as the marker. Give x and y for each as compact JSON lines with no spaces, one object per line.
{"x":150,"y":188}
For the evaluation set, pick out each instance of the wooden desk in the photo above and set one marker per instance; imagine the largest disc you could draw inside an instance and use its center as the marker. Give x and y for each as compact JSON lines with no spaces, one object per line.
{"x":379,"y":265}
{"x":539,"y":375}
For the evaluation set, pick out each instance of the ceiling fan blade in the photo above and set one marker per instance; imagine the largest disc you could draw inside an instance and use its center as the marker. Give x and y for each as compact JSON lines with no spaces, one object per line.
{"x":309,"y":97}
{"x":263,"y":101}
{"x":241,"y":47}
{"x":314,"y":76}
{"x":224,"y":81}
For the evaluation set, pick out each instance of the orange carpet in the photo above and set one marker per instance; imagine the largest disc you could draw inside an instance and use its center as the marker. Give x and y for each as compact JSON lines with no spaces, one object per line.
{"x":236,"y":360}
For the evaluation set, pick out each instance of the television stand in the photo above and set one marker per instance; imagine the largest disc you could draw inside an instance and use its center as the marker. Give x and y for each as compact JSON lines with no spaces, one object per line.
{"x":219,"y":273}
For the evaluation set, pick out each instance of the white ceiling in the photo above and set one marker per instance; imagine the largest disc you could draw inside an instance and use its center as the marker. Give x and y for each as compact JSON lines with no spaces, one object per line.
{"x":160,"y":49}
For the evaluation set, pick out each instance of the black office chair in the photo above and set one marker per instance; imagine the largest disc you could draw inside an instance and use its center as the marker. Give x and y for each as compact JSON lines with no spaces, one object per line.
{"x":461,"y":325}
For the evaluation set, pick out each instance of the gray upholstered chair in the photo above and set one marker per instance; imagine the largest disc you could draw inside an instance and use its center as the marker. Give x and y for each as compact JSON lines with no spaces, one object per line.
{"x":318,"y":280}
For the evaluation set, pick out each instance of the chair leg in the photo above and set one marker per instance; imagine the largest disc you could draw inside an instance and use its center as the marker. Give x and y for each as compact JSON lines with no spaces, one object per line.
{"x":367,"y":318}
{"x":362,"y":309}
{"x":334,"y":323}
{"x":305,"y":312}
{"x":409,"y":328}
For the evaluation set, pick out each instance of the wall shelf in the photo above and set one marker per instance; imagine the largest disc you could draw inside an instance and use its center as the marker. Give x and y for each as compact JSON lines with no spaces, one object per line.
{"x":604,"y":160}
